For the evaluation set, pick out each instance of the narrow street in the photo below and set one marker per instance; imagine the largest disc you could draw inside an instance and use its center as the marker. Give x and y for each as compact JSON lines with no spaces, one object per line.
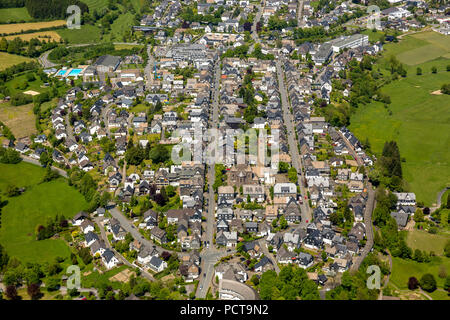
{"x":293,"y":146}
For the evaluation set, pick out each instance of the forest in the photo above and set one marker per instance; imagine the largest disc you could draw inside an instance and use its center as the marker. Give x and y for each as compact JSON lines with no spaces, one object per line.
{"x":55,"y":9}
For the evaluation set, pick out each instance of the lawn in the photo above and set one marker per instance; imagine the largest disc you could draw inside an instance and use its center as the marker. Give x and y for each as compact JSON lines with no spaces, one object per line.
{"x":402,"y":270}
{"x":20,"y":27}
{"x":8,"y":60}
{"x":21,"y":175}
{"x":95,"y":279}
{"x":419,"y":123}
{"x":21,"y":120}
{"x":87,"y":34}
{"x":24,"y":213}
{"x":417,"y":239}
{"x":10,"y":15}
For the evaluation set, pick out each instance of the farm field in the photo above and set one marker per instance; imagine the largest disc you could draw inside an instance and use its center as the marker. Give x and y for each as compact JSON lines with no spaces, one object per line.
{"x":8,"y":60}
{"x":9,"y":15}
{"x":21,"y":119}
{"x":417,"y":239}
{"x":20,"y":27}
{"x":419,"y":122}
{"x":44,"y":35}
{"x":24,"y":213}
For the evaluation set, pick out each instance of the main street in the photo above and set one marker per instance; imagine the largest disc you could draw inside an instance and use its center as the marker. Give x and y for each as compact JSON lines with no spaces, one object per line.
{"x":257,"y":18}
{"x":293,"y":145}
{"x":210,"y":255}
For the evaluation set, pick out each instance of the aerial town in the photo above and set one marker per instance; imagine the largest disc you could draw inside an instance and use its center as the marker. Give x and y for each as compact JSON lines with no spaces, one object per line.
{"x":225,"y":150}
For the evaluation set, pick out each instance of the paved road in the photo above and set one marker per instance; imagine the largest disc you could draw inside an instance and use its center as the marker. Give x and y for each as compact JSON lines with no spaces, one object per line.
{"x":149,"y":67}
{"x":300,"y":13}
{"x":257,"y":18}
{"x":122,"y":259}
{"x":293,"y":145}
{"x":439,"y":197}
{"x":210,"y":255}
{"x":46,"y":63}
{"x":369,"y":228}
{"x":36,"y":162}
{"x":269,"y":255}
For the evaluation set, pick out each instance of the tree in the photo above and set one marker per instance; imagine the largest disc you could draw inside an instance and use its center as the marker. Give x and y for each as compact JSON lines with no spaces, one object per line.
{"x":11,"y":292}
{"x":427,"y":282}
{"x":283,"y":223}
{"x":418,"y":216}
{"x":447,"y":249}
{"x":34,"y":291}
{"x":433,"y":69}
{"x":413,"y":283}
{"x":419,"y":71}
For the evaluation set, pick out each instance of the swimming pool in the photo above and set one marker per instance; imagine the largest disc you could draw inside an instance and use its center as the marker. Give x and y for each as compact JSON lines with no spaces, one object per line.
{"x":61,"y":72}
{"x":74,"y":72}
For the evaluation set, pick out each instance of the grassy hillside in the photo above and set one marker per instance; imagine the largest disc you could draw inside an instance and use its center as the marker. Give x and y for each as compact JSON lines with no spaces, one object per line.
{"x":419,"y":122}
{"x":87,"y":34}
{"x":96,"y":4}
{"x":24,"y":213}
{"x":7,"y":60}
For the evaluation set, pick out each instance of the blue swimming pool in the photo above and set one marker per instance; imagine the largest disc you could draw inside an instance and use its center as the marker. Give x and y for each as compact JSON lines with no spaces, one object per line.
{"x":61,"y":72}
{"x":74,"y":72}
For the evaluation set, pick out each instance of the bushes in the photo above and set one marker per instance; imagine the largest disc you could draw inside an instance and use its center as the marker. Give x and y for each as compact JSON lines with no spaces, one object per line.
{"x":9,"y":156}
{"x":428,"y":283}
{"x":20,"y":99}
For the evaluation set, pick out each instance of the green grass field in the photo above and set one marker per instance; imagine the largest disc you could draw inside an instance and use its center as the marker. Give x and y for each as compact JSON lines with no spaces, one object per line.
{"x":419,"y":122}
{"x":21,"y":175}
{"x":24,"y":213}
{"x":418,"y":48}
{"x":402,"y":270}
{"x":95,"y":279}
{"x":417,"y":239}
{"x":87,"y":34}
{"x":8,"y":60}
{"x":10,"y":15}
{"x":119,"y":26}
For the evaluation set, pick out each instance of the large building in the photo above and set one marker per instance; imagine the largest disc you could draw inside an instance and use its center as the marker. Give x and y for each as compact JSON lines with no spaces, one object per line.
{"x":234,"y":290}
{"x":107,"y":63}
{"x":349,"y":42}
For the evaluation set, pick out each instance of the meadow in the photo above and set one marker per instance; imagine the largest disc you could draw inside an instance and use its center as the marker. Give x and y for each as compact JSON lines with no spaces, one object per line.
{"x":419,"y":121}
{"x":24,"y":213}
{"x":403,"y":269}
{"x":21,"y":27}
{"x":8,"y":60}
{"x":10,"y":15}
{"x":21,"y":119}
{"x":422,"y":240}
{"x":96,"y":4}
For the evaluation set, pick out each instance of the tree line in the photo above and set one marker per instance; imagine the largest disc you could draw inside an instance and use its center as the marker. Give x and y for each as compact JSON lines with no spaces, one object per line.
{"x":52,"y":9}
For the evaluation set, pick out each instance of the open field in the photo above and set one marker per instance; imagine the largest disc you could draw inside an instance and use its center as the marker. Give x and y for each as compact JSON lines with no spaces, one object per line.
{"x":119,"y":26}
{"x":422,"y":240}
{"x":24,"y":213}
{"x":87,"y":34}
{"x":9,"y":15}
{"x":44,"y":35}
{"x":20,"y":27}
{"x":21,"y":120}
{"x":419,"y":48}
{"x":421,"y":126}
{"x":402,"y":270}
{"x":21,"y":175}
{"x":127,"y":46}
{"x":8,"y":60}
{"x":419,"y":122}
